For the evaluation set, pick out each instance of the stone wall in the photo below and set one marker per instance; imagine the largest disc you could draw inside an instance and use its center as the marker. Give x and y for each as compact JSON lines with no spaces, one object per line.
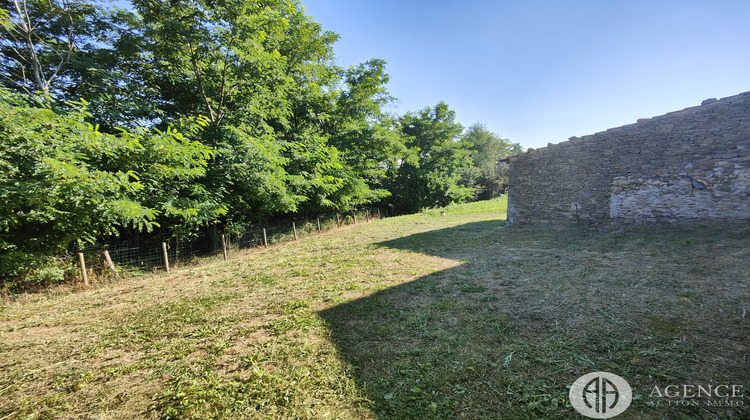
{"x":687,"y":165}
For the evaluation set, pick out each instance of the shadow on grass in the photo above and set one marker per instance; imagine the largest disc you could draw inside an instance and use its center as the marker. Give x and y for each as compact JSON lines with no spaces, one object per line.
{"x":429,"y":348}
{"x":505,"y":333}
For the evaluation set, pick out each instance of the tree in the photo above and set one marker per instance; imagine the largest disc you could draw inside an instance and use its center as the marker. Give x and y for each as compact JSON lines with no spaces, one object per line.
{"x":63,"y":183}
{"x":204,"y":114}
{"x":431,"y":179}
{"x":262,"y":74}
{"x":367,"y":138}
{"x":40,"y":38}
{"x":112,"y":73}
{"x":488,"y":176}
{"x":234,"y":63}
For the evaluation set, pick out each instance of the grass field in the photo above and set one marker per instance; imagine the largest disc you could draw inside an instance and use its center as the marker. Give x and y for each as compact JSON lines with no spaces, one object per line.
{"x":414,"y":317}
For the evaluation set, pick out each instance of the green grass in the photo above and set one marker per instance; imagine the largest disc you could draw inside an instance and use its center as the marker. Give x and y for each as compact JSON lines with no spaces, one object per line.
{"x":494,"y":206}
{"x":421,"y":316}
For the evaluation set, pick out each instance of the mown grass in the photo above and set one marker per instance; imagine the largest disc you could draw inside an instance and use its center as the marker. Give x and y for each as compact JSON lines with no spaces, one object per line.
{"x":421,"y":316}
{"x":495,"y":206}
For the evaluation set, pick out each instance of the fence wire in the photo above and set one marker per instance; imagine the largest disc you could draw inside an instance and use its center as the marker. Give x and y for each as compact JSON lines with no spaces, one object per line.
{"x":148,"y":254}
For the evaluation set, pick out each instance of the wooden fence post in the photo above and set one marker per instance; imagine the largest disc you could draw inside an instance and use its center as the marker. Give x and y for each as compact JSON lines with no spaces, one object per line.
{"x":111,"y":265}
{"x":318,"y":219}
{"x":338,"y":221}
{"x":367,"y":216}
{"x":295,"y":230}
{"x":265,"y":238}
{"x":224,"y":246}
{"x":354,"y":216}
{"x":82,"y":260}
{"x":379,"y":217}
{"x":166,"y":256}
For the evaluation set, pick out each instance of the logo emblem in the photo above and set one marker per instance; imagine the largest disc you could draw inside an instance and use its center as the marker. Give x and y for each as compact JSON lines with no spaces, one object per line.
{"x":600,"y":395}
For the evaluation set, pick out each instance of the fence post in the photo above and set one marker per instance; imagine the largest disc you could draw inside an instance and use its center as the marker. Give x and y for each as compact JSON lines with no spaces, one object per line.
{"x":111,"y":265}
{"x":294,"y":227}
{"x":82,"y":260}
{"x":367,"y":216}
{"x":318,"y":219}
{"x":224,"y":246}
{"x":265,"y":238}
{"x":166,"y":256}
{"x":354,"y":216}
{"x":338,"y":221}
{"x":379,"y":217}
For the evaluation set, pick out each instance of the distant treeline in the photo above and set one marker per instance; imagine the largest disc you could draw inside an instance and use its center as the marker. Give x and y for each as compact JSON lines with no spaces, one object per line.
{"x":182,"y":115}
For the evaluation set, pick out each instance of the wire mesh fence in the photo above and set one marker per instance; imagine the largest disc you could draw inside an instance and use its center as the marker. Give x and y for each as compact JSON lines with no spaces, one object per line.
{"x":160,"y":252}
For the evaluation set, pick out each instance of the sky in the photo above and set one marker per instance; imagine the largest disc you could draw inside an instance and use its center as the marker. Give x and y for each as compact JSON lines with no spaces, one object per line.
{"x":539,"y":72}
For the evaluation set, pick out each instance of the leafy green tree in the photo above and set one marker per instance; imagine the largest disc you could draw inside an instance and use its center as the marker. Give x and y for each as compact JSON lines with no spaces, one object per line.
{"x":112,"y":75}
{"x":66,"y":50}
{"x":432,"y":179}
{"x":166,"y":165}
{"x":39,"y":39}
{"x":63,"y":183}
{"x":262,"y":74}
{"x":208,"y":58}
{"x":487,"y":175}
{"x":256,"y":70}
{"x":247,"y":118}
{"x":367,"y":138}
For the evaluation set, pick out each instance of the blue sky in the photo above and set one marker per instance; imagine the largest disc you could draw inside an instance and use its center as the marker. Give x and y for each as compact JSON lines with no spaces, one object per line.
{"x":539,"y":72}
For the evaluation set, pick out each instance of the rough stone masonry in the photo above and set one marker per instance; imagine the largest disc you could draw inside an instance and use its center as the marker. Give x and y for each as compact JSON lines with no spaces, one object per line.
{"x":689,"y":165}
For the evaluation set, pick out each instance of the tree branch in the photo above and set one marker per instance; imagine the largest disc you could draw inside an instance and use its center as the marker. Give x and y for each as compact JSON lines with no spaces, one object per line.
{"x":224,"y":79}
{"x":70,"y":48}
{"x":199,"y":80}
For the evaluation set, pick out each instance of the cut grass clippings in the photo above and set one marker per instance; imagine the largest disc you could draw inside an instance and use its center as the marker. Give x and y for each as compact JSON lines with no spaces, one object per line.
{"x":421,"y":316}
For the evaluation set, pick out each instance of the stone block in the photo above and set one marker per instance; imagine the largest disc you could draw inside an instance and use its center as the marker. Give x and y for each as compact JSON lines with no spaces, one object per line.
{"x":688,"y":164}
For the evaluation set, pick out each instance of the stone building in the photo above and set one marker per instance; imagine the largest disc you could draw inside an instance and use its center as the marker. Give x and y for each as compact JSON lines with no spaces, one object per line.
{"x":689,"y":165}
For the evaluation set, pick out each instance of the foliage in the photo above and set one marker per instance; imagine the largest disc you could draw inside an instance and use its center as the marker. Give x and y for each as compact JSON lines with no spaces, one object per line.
{"x":257,"y":71}
{"x":206,"y":115}
{"x":431,"y":179}
{"x":487,"y":175}
{"x":39,"y":39}
{"x":64,"y":183}
{"x":368,"y":138}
